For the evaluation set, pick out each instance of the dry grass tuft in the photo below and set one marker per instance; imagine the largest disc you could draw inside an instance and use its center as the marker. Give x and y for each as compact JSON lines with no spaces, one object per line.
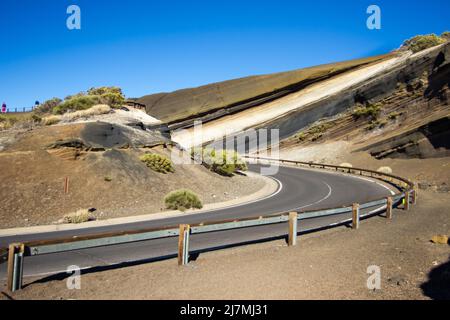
{"x":387,"y":170}
{"x":93,"y":111}
{"x":80,"y":216}
{"x":346,"y":164}
{"x":50,"y":120}
{"x":72,"y":116}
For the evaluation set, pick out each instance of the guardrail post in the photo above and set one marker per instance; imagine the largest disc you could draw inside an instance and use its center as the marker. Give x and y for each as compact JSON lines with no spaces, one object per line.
{"x":389,"y":203}
{"x":407,"y":200}
{"x":355,"y":216}
{"x":183,"y":245}
{"x":292,"y":237}
{"x":15,"y":266}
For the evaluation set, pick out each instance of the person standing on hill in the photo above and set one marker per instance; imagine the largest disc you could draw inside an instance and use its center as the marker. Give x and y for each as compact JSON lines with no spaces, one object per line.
{"x":4,"y":107}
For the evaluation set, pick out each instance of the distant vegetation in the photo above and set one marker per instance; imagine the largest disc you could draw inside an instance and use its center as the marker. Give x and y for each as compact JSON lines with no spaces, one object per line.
{"x":422,"y":42}
{"x":182,"y":200}
{"x":223,"y":162}
{"x":367,"y":111}
{"x":315,"y":132}
{"x":7,"y":122}
{"x":158,"y":163}
{"x":111,"y":96}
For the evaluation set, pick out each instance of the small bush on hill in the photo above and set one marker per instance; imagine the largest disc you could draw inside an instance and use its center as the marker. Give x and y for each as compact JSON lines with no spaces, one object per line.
{"x":157,"y":163}
{"x":223,"y":162}
{"x":36,"y":118}
{"x":103,"y":90}
{"x":446,"y":35}
{"x":393,"y":115}
{"x":48,"y":106}
{"x":422,"y":42}
{"x":369,"y":110}
{"x":111,"y":96}
{"x":374,"y":124}
{"x":76,"y":103}
{"x":182,"y":200}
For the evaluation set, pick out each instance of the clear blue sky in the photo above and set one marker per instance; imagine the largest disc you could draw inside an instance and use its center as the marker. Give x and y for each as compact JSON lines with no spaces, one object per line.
{"x":150,"y":46}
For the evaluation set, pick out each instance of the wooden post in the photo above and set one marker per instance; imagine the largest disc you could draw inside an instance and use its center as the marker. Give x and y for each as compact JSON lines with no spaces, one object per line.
{"x":389,"y":203}
{"x":407,"y":200}
{"x":15,"y":266}
{"x":183,"y":245}
{"x":292,"y":236}
{"x":355,"y":216}
{"x":66,"y":185}
{"x":414,"y":196}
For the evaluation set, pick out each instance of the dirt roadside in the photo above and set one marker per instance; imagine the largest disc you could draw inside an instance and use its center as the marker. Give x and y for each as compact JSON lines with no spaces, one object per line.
{"x":328,"y":265}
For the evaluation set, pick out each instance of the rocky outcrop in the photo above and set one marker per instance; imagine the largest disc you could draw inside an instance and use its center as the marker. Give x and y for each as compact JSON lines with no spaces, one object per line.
{"x":429,"y":141}
{"x":435,"y":62}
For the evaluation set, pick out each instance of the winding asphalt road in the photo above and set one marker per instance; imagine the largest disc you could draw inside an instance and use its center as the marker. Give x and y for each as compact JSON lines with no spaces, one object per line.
{"x":299,"y":189}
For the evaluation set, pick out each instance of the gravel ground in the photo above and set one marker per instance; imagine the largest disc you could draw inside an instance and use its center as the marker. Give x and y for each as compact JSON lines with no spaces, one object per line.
{"x":327,"y":265}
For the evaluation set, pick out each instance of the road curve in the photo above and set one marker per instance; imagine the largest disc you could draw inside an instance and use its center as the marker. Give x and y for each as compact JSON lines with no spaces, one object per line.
{"x":300,"y":189}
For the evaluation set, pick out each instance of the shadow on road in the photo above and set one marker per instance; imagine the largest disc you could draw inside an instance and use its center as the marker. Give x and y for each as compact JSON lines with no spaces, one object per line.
{"x":438,"y":285}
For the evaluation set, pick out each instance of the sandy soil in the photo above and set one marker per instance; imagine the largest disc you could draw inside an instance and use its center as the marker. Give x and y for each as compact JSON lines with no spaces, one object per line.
{"x":327,"y":265}
{"x":114,"y":181}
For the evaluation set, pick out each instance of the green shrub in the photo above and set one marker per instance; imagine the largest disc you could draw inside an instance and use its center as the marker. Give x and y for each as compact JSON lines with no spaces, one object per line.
{"x":182,"y":200}
{"x":223,"y":162}
{"x":422,"y":42}
{"x":36,"y":118}
{"x":114,"y":100}
{"x":393,"y":115}
{"x":301,"y":136}
{"x":111,"y":96}
{"x":157,"y":163}
{"x":104,"y":90}
{"x":446,"y":35}
{"x":370,"y":110}
{"x":376,"y":124}
{"x":48,"y":106}
{"x":76,"y":103}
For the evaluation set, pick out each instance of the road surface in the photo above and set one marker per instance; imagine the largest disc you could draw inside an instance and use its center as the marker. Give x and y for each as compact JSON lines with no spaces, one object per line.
{"x":299,"y":189}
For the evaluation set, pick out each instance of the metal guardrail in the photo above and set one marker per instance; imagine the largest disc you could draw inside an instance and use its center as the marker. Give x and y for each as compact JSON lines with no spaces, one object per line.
{"x":16,"y":252}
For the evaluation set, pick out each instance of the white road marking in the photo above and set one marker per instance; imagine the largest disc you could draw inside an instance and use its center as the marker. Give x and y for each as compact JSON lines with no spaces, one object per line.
{"x":373,"y":181}
{"x":321,"y":200}
{"x":382,"y":185}
{"x":280,"y":187}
